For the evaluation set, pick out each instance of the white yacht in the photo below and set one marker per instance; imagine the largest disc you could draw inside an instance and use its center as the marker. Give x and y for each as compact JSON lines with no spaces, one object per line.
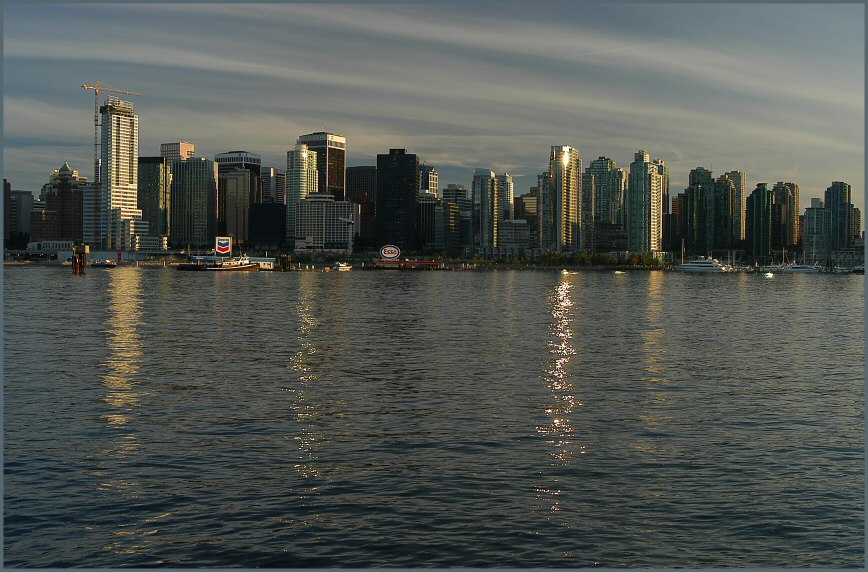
{"x":801,"y":268}
{"x":703,"y":265}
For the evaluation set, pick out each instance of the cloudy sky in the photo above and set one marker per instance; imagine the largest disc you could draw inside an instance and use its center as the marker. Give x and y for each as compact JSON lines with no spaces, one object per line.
{"x":774,"y":90}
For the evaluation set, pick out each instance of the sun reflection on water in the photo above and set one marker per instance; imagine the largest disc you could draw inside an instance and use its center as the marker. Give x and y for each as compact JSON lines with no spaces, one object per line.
{"x":560,"y":433}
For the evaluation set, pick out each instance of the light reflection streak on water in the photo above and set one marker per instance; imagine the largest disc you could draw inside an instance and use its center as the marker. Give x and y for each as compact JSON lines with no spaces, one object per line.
{"x":560,"y":433}
{"x":653,"y":363}
{"x":304,"y":404}
{"x":123,"y":397}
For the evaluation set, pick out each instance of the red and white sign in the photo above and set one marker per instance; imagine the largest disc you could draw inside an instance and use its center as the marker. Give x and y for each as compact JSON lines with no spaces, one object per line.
{"x":390,"y":251}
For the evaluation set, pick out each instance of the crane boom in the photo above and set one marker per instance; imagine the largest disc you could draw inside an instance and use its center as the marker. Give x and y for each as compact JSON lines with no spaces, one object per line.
{"x":96,"y":89}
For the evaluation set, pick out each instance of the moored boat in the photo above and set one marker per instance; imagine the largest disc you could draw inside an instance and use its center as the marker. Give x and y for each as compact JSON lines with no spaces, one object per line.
{"x":342,"y":266}
{"x":800,"y":268}
{"x":703,"y":265}
{"x":234,"y":264}
{"x":104,"y":264}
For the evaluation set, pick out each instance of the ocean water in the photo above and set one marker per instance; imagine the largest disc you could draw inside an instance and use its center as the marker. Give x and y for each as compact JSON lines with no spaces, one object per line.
{"x":432,"y":419}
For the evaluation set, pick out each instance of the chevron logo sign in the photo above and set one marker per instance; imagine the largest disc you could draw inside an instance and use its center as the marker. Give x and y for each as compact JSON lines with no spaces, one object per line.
{"x":224,"y":245}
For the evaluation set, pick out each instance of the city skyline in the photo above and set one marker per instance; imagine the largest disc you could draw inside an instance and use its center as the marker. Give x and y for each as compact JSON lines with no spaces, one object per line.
{"x":463,"y":87}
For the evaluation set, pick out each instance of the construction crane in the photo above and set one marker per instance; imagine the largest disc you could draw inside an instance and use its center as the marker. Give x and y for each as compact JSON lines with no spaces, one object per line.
{"x":96,"y":89}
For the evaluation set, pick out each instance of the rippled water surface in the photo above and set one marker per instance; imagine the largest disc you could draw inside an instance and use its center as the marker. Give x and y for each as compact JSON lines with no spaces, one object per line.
{"x":506,"y":418}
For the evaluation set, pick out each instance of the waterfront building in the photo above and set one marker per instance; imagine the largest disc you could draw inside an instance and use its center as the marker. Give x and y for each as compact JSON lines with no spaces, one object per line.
{"x":43,"y":223}
{"x":816,"y":233}
{"x":459,"y":195}
{"x":607,"y":190}
{"x":267,"y":226}
{"x":447,"y":228}
{"x":644,"y":203}
{"x":724,"y":233}
{"x":514,"y":239}
{"x":273,"y":185}
{"x":251,"y":163}
{"x":193,"y":197}
{"x":427,"y":223}
{"x":588,"y":208}
{"x":837,"y":200}
{"x":177,"y":151}
{"x":610,"y":237}
{"x":560,"y":193}
{"x":739,"y":179}
{"x":506,"y":195}
{"x":429,"y":181}
{"x":331,"y":160}
{"x":118,"y":181}
{"x":233,"y":204}
{"x":302,"y":180}
{"x":486,"y":210}
{"x":154,"y":193}
{"x":527,"y":208}
{"x":856,"y":223}
{"x":362,"y":190}
{"x":784,"y":218}
{"x":398,"y":199}
{"x":64,"y":196}
{"x":758,"y":228}
{"x":324,"y":225}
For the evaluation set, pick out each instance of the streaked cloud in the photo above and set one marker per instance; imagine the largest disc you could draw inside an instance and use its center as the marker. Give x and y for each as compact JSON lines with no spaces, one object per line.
{"x":775,"y":91}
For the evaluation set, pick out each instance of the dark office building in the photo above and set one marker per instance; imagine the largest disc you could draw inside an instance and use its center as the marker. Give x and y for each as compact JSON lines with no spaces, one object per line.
{"x":154,"y":193}
{"x":268,"y":226}
{"x":841,"y":209}
{"x":362,"y":190}
{"x":398,"y":200}
{"x":250,"y":162}
{"x":758,"y":227}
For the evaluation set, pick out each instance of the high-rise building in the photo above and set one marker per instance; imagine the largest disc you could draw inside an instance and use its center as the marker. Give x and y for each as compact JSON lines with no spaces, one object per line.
{"x":64,"y":196}
{"x":331,"y":160}
{"x":233,"y":204}
{"x":251,"y":163}
{"x":560,"y":193}
{"x":785,"y":221}
{"x":758,"y":227}
{"x":193,"y":193}
{"x":324,"y":224}
{"x":119,"y":165}
{"x":725,"y":232}
{"x":154,"y":191}
{"x":527,"y":208}
{"x":459,"y":195}
{"x":429,"y":181}
{"x":740,"y":181}
{"x":447,"y":228}
{"x":398,"y":199}
{"x":273,"y":185}
{"x":839,"y":205}
{"x":588,"y":207}
{"x":362,"y":190}
{"x":506,"y":195}
{"x":178,"y":151}
{"x":487,"y":213}
{"x":301,"y":181}
{"x":608,"y":190}
{"x":427,"y":220}
{"x":7,"y":206}
{"x":644,"y":205}
{"x":816,"y":233}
